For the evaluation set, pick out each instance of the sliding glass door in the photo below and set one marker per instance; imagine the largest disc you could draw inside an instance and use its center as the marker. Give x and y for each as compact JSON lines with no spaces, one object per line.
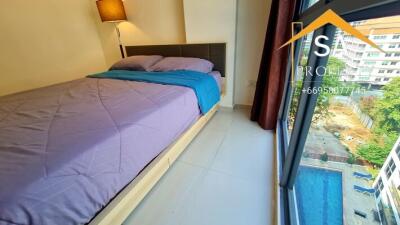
{"x":340,"y":117}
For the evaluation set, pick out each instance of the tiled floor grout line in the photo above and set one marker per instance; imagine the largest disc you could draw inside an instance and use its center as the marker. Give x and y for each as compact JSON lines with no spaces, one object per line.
{"x":197,"y":180}
{"x":219,"y":148}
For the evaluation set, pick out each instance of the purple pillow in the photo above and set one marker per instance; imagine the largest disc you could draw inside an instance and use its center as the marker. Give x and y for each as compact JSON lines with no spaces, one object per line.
{"x":137,"y":62}
{"x":183,"y":63}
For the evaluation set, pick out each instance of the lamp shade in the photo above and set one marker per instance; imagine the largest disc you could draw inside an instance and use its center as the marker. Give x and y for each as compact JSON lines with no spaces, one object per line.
{"x":111,"y":10}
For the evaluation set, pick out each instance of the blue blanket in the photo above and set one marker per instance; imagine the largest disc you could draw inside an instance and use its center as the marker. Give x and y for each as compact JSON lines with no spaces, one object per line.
{"x":204,"y":85}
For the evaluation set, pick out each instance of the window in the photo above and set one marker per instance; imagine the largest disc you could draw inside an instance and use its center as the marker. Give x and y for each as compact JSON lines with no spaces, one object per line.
{"x":365,"y":70}
{"x":390,"y":168}
{"x":309,"y":3}
{"x":379,"y":37}
{"x":386,"y":79}
{"x":392,"y":46}
{"x":388,"y":54}
{"x":369,"y":62}
{"x":381,"y":71}
{"x":379,"y":187}
{"x":373,"y":54}
{"x":397,"y":36}
{"x":393,"y":63}
{"x":389,"y":71}
{"x":385,"y":209}
{"x":396,"y":54}
{"x":398,"y":151}
{"x":318,"y":112}
{"x":385,"y":63}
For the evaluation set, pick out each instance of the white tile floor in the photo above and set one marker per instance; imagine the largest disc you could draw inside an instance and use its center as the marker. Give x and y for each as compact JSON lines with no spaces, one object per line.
{"x":225,"y":177}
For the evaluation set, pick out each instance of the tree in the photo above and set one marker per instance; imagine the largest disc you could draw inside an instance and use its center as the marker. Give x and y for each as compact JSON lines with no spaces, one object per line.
{"x":368,"y":104}
{"x":352,"y":159}
{"x":387,"y":113}
{"x":374,"y":153}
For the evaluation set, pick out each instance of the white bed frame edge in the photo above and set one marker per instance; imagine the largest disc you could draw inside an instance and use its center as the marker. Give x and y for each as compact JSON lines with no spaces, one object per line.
{"x":129,"y":198}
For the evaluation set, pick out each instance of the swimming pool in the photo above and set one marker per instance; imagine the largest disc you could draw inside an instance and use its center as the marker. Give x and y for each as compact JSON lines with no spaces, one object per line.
{"x":319,"y":196}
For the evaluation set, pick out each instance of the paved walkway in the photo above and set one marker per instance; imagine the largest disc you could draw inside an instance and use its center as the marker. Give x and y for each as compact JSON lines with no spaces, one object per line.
{"x":320,"y":141}
{"x":352,"y":200}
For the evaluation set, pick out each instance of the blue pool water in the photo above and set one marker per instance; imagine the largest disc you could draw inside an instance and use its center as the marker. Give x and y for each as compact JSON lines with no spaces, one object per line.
{"x":319,"y":196}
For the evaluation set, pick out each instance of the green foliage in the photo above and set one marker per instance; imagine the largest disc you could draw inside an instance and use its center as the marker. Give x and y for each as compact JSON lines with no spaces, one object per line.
{"x":352,"y":159}
{"x":374,"y":152}
{"x":324,"y":157}
{"x":387,"y":112}
{"x":386,"y":115}
{"x":306,"y":155}
{"x":368,"y":105}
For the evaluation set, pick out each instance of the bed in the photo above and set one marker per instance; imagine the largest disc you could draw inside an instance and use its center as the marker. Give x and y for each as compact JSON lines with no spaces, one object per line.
{"x":89,"y":150}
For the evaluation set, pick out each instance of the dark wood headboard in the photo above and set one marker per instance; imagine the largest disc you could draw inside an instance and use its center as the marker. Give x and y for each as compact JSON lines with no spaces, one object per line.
{"x":214,"y":52}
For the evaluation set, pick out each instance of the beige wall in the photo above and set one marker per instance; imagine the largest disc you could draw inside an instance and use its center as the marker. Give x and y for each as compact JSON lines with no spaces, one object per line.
{"x":251,"y":28}
{"x":46,"y":42}
{"x":50,"y":41}
{"x":149,"y":22}
{"x":208,"y":21}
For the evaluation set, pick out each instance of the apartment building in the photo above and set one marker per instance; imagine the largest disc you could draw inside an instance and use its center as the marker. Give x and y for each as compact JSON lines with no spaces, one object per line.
{"x":365,"y":64}
{"x":387,"y":188}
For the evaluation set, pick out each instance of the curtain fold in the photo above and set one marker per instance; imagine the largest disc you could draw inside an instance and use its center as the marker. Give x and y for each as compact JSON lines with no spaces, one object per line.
{"x":271,"y":77}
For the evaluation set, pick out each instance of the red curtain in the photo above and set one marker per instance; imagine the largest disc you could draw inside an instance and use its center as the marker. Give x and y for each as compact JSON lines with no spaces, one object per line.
{"x":273,"y":65}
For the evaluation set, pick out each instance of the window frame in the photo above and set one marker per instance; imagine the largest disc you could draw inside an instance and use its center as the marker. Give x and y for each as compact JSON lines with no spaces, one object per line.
{"x":290,"y":149}
{"x":398,"y":151}
{"x":391,"y":166}
{"x":378,"y":187}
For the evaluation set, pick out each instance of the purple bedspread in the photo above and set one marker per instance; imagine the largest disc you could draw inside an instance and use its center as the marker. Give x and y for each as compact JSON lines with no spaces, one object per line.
{"x":68,"y":149}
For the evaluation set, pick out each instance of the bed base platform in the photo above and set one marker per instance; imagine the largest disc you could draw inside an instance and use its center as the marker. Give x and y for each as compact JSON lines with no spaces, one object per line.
{"x":129,"y":198}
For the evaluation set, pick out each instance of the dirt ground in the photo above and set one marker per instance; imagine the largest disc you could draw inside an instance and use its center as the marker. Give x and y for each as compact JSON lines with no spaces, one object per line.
{"x":346,"y":123}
